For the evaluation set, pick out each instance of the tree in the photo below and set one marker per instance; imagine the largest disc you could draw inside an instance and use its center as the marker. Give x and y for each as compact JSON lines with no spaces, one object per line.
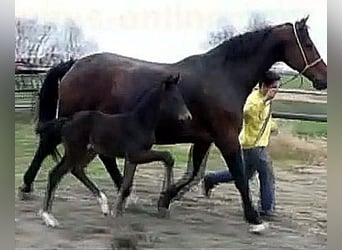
{"x":223,"y":34}
{"x":49,"y":43}
{"x":256,"y":21}
{"x":31,"y":38}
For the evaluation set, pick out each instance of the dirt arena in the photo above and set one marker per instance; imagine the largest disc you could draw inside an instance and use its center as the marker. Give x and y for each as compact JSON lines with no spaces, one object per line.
{"x":195,"y":222}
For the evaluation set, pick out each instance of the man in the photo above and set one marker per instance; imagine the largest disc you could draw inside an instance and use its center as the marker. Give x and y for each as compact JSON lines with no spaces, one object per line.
{"x":254,"y":138}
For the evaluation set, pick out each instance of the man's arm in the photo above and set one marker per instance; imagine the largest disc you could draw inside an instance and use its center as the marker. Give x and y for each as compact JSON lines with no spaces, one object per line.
{"x":252,"y":109}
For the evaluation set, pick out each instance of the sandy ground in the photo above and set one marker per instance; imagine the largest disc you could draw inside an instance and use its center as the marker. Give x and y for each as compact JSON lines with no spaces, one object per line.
{"x":195,"y":222}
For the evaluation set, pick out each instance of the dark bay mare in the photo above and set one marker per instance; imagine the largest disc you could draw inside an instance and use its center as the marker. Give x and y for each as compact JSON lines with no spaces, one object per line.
{"x":129,"y":135}
{"x":214,"y":85}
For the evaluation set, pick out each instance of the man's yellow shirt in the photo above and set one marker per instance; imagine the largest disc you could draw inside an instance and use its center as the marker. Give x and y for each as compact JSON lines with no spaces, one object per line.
{"x":255,"y":112}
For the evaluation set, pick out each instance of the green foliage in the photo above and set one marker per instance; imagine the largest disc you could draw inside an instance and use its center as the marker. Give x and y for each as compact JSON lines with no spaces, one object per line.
{"x":305,"y":128}
{"x":299,"y":107}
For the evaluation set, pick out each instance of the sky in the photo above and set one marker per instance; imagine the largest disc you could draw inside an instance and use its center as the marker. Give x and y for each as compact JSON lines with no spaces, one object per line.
{"x":169,"y":30}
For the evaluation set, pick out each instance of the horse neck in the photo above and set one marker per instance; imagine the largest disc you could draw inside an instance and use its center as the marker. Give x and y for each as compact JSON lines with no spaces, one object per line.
{"x":243,"y":72}
{"x":255,"y":69}
{"x":147,"y":112}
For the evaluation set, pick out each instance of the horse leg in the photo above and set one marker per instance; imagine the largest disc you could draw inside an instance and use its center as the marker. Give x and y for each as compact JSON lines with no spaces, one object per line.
{"x":232,"y":154}
{"x":199,"y":152}
{"x":112,"y":169}
{"x":55,"y":176}
{"x":79,"y":173}
{"x":45,"y":147}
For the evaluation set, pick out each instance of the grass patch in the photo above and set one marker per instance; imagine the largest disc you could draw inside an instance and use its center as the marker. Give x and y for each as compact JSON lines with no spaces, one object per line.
{"x":307,"y":129}
{"x":287,"y":149}
{"x":299,"y":107}
{"x":298,"y":142}
{"x":298,"y":83}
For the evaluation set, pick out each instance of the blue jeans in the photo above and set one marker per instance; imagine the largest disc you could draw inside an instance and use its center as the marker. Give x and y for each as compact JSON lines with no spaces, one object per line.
{"x":256,"y":160}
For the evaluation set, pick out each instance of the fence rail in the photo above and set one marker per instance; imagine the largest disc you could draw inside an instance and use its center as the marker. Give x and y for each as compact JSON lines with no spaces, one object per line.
{"x":25,"y":100}
{"x":301,"y":117}
{"x":303,"y":92}
{"x":26,"y":95}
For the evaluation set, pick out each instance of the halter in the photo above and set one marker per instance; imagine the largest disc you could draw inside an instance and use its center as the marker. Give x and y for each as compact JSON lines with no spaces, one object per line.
{"x":307,"y":65}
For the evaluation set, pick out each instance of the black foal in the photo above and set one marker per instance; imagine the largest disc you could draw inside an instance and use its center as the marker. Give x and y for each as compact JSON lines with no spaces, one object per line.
{"x":127,"y":135}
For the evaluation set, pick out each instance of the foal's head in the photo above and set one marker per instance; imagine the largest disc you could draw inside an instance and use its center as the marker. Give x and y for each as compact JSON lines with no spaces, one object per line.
{"x":173,"y":105}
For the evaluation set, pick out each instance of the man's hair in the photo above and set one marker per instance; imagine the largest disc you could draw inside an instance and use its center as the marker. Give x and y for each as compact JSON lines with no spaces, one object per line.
{"x":268,"y":78}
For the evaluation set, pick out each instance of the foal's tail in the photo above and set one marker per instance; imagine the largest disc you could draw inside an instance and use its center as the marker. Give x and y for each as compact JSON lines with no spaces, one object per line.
{"x":51,"y":130}
{"x":48,"y":95}
{"x":53,"y":127}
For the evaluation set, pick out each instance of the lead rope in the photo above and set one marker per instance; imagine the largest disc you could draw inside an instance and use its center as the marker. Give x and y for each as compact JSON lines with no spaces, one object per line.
{"x":262,"y":130}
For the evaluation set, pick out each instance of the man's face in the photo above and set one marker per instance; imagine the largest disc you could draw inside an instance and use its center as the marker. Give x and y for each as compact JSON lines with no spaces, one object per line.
{"x":275,"y":85}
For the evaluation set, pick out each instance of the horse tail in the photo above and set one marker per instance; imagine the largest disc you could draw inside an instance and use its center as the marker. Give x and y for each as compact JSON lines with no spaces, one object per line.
{"x":48,"y":95}
{"x":52,"y":129}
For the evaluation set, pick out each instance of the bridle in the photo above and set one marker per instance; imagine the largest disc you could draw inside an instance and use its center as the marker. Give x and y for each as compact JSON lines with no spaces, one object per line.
{"x":307,"y":65}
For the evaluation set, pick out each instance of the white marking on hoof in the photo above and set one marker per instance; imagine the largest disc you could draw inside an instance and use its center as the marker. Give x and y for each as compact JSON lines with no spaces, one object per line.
{"x":48,"y":219}
{"x":258,"y":228}
{"x":116,"y":211}
{"x":103,"y":201}
{"x":131,"y":199}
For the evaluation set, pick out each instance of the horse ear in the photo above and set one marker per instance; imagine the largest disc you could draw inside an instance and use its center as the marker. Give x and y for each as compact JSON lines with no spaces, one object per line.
{"x":169,"y":78}
{"x":176,"y":80}
{"x":303,"y":21}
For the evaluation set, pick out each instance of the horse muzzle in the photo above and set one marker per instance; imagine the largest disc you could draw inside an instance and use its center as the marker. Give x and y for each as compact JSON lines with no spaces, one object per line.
{"x":185,"y":116}
{"x":320,"y":84}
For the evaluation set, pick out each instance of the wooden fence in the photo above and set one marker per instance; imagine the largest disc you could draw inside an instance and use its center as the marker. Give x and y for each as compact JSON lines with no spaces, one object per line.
{"x":26,"y":94}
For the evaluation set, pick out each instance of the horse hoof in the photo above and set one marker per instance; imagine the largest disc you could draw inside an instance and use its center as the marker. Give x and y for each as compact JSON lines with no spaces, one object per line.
{"x":131,"y":200}
{"x":259,"y":228}
{"x":117,"y":214}
{"x":103,"y":201}
{"x":48,"y":219}
{"x":164,"y":212}
{"x":24,"y":195}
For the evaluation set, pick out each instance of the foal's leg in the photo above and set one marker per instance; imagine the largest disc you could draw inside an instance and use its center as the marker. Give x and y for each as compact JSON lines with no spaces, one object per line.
{"x":153,"y":155}
{"x":125,"y":190}
{"x":55,"y":176}
{"x":200,"y":150}
{"x":79,"y":173}
{"x":112,"y":169}
{"x":130,"y":166}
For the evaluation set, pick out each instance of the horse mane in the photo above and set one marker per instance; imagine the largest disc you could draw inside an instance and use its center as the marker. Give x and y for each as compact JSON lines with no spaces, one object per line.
{"x":243,"y":45}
